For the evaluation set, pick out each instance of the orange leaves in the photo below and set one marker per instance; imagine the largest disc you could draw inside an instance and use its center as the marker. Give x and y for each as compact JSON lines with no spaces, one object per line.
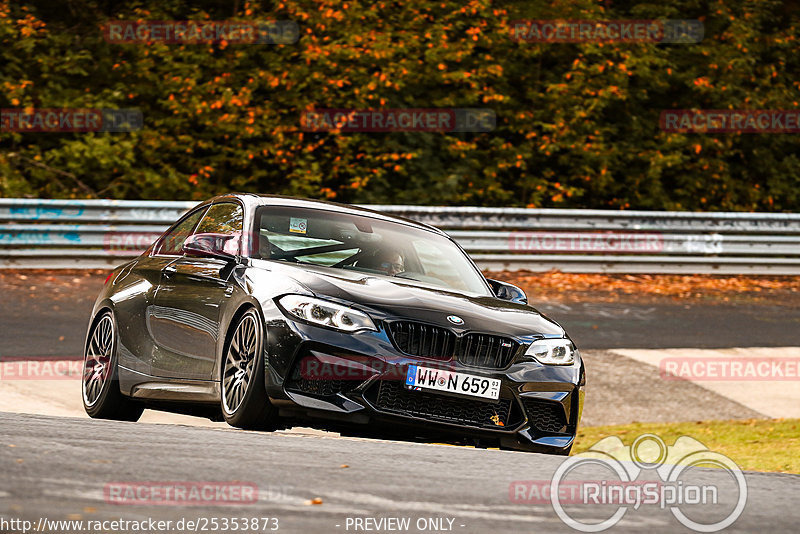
{"x":473,"y":32}
{"x":332,"y":14}
{"x":495,"y":70}
{"x":327,"y":192}
{"x":493,"y":98}
{"x":29,"y":25}
{"x":611,"y":288}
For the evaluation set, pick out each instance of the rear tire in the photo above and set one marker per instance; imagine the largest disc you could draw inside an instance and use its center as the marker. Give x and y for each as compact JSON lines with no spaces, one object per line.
{"x":102,"y":398}
{"x":244,"y":396}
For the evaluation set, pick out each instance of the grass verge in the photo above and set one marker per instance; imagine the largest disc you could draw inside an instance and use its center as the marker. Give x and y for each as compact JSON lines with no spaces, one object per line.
{"x":754,"y":444}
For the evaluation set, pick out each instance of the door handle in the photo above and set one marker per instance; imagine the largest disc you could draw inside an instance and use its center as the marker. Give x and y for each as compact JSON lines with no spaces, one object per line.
{"x":169,"y":270}
{"x":229,"y":291}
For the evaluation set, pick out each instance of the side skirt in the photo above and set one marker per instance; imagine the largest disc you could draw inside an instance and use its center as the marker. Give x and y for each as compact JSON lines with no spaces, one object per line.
{"x":145,"y":387}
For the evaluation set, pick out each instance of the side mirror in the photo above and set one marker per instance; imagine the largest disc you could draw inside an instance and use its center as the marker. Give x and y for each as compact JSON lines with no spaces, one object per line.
{"x":209,"y":246}
{"x":506,"y":291}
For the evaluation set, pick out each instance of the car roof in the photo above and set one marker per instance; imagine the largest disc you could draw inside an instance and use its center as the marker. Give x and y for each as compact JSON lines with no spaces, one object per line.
{"x":254,"y":200}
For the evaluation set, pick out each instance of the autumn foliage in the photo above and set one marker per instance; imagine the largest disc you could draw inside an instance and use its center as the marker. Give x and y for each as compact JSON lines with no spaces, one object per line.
{"x":577,"y":123}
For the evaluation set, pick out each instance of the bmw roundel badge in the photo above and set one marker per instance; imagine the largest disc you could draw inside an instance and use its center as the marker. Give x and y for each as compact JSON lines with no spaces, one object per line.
{"x":455,"y":319}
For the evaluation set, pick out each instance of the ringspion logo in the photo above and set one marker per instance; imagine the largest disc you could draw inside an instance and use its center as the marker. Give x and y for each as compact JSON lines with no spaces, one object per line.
{"x":646,"y":473}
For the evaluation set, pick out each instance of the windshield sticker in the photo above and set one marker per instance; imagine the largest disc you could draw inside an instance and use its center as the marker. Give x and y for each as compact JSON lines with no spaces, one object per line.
{"x":298,"y":226}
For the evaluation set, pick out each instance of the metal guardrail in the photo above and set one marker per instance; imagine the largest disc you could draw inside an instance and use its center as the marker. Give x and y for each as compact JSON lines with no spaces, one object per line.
{"x":102,"y":233}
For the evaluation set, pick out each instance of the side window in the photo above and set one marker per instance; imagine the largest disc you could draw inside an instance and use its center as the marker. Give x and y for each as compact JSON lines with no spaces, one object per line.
{"x":171,"y":244}
{"x":225,"y":218}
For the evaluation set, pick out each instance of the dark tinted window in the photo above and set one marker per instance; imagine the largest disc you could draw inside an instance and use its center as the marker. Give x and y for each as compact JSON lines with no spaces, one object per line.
{"x":369,"y":245}
{"x":171,"y":244}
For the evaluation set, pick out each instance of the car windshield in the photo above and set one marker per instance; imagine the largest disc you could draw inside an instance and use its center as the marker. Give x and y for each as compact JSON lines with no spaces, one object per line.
{"x":364,"y":244}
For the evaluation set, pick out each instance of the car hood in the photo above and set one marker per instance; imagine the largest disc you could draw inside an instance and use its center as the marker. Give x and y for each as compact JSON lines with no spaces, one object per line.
{"x":395,"y":298}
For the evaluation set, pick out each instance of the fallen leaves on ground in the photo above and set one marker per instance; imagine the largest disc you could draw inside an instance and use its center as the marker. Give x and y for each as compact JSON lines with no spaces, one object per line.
{"x":635,"y":287}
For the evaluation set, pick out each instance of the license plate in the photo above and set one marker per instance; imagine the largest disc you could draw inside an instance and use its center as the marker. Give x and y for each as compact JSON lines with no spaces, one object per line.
{"x":452,"y":382}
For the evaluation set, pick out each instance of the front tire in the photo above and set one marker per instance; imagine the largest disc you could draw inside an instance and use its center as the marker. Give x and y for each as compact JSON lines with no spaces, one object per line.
{"x":244,"y":396}
{"x":102,"y":398}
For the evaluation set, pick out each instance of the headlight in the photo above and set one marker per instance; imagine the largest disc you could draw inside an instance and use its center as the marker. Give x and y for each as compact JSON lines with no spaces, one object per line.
{"x":553,"y":351}
{"x":326,"y":313}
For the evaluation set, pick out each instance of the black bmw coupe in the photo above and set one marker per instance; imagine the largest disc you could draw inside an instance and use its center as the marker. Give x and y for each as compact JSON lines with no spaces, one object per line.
{"x":268,"y":311}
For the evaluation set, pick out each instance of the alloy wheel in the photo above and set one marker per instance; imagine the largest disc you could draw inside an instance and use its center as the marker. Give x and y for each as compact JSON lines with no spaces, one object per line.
{"x":239,"y":363}
{"x":97,"y":361}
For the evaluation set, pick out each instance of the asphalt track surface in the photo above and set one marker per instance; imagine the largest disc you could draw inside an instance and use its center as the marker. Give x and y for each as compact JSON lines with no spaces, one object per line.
{"x":58,"y":468}
{"x":49,"y":318}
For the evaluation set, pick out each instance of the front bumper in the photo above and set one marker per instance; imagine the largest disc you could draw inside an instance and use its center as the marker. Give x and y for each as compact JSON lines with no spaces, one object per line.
{"x":356,"y":381}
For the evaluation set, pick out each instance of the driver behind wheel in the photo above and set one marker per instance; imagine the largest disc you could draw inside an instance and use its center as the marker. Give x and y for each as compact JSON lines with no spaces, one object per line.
{"x":389,"y":261}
